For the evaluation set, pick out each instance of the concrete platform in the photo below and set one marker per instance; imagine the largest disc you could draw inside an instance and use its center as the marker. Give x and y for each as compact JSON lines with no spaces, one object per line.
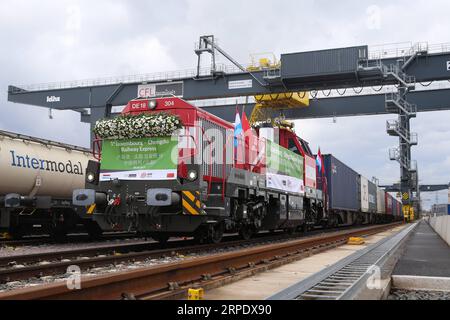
{"x":263,"y":285}
{"x":421,"y":283}
{"x":425,"y":255}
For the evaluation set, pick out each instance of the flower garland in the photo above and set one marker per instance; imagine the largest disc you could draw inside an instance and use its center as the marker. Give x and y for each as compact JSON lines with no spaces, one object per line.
{"x":137,"y":126}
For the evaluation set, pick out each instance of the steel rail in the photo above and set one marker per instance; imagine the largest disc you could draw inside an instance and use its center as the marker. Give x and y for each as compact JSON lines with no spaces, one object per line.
{"x":104,"y":249}
{"x":95,"y":257}
{"x":71,"y":238}
{"x":154,"y":282}
{"x":118,"y":255}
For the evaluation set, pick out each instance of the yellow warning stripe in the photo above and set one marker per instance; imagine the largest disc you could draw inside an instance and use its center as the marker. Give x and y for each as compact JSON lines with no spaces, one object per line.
{"x":91,"y":209}
{"x":189,"y":208}
{"x":198,"y":203}
{"x":191,"y":202}
{"x":189,"y":195}
{"x":5,"y":236}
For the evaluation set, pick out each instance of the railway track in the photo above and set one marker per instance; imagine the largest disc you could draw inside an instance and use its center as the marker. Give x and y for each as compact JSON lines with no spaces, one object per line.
{"x":170,"y":280}
{"x":348,"y":278}
{"x":73,"y":238}
{"x":22,"y":267}
{"x":38,"y":265}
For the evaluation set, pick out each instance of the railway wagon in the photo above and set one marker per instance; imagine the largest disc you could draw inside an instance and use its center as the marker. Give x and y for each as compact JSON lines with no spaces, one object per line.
{"x":348,"y":196}
{"x":353,"y":198}
{"x":393,"y":208}
{"x":384,"y":213}
{"x":389,"y":204}
{"x":37,"y":178}
{"x":399,"y":210}
{"x":368,"y":199}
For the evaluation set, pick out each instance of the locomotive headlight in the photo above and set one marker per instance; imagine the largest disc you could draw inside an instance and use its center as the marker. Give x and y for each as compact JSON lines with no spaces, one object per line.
{"x":90,"y":177}
{"x":192,"y":175}
{"x":152,"y":104}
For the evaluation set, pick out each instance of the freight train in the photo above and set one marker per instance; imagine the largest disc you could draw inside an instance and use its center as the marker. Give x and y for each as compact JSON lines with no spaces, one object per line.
{"x":37,"y":178}
{"x":167,"y":168}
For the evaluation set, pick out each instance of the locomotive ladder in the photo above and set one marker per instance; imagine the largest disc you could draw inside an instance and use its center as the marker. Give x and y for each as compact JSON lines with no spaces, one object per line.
{"x":348,"y":277}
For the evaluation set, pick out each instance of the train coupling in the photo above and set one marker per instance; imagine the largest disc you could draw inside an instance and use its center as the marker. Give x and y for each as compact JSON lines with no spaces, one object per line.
{"x":88,"y":197}
{"x":14,"y":200}
{"x":155,"y":197}
{"x":162,"y":197}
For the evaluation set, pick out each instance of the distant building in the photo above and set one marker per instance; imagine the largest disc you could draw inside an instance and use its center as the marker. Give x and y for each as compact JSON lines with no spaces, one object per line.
{"x":440,"y":209}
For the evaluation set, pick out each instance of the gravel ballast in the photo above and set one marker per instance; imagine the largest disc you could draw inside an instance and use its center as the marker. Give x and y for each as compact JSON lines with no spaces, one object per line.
{"x":418,"y":295}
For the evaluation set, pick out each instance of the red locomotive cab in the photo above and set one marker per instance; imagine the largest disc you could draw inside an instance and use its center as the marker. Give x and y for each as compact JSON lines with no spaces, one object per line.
{"x":204,"y":140}
{"x":188,"y":136}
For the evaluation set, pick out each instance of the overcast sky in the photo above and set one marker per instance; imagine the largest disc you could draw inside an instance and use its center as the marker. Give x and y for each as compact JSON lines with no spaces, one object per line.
{"x":46,"y":41}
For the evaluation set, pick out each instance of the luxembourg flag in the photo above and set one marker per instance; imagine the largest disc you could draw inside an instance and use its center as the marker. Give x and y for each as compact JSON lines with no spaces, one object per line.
{"x":238,"y":131}
{"x":319,"y":162}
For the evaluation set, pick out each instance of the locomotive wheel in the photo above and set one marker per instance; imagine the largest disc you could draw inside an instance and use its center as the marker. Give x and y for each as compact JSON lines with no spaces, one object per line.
{"x":59,"y":234}
{"x":93,"y":229}
{"x":291,"y":231}
{"x":246,"y":232}
{"x":16,"y":233}
{"x":216,"y":234}
{"x":161,"y":238}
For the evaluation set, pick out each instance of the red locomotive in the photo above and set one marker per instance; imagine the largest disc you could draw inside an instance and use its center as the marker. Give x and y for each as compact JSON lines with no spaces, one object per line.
{"x":167,"y":168}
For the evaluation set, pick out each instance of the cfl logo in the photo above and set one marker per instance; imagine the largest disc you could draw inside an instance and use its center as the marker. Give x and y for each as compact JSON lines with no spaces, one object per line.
{"x":374,"y":280}
{"x":73,"y":282}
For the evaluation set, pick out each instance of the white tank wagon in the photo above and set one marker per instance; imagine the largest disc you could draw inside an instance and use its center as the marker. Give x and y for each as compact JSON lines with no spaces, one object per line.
{"x":33,"y":167}
{"x":37,"y":178}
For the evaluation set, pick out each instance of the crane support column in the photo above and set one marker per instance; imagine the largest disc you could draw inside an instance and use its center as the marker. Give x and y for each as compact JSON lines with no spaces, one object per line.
{"x":396,"y":102}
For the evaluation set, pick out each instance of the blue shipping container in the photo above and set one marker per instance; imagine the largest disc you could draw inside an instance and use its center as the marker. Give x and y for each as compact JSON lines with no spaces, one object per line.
{"x":343,"y":186}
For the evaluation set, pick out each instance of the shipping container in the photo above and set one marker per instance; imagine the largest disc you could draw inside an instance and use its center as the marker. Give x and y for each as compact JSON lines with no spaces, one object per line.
{"x":372,"y":197}
{"x":343,"y":185}
{"x":389,"y":204}
{"x":381,"y":201}
{"x":399,"y":208}
{"x":364,"y":194}
{"x":341,"y":63}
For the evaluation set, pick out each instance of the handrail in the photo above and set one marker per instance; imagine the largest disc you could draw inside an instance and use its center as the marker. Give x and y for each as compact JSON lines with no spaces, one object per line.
{"x":96,"y":145}
{"x":224,"y":164}
{"x":191,"y":73}
{"x":210,"y":163}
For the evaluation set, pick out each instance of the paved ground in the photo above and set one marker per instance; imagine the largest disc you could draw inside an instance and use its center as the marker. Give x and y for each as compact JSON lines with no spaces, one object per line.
{"x":263,"y":285}
{"x":426,"y":254}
